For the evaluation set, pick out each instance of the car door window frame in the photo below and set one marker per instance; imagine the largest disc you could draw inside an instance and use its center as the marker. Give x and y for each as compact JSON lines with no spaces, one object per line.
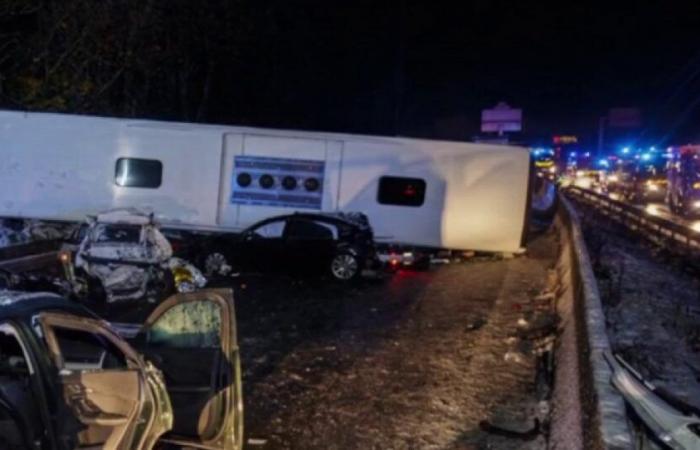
{"x":233,"y":421}
{"x":60,"y":320}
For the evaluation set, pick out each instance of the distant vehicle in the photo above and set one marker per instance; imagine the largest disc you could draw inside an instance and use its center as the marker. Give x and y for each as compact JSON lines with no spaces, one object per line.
{"x":640,"y":180}
{"x":545,"y":166}
{"x":338,"y":245}
{"x":684,"y":180}
{"x":68,"y":380}
{"x":122,"y":256}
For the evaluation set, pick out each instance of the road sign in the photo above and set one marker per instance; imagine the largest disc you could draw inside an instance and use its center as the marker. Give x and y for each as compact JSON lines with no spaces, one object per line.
{"x":501,"y":118}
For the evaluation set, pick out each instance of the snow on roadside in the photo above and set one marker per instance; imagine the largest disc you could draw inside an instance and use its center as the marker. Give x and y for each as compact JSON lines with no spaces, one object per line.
{"x":652,"y":311}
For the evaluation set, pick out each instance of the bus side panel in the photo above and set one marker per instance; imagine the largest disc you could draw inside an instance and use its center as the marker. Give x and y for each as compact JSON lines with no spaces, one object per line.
{"x":279,"y":157}
{"x":63,"y":167}
{"x":475,"y":197}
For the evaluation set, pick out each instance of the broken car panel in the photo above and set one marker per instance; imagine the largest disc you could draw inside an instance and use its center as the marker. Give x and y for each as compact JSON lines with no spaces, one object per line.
{"x":68,"y":380}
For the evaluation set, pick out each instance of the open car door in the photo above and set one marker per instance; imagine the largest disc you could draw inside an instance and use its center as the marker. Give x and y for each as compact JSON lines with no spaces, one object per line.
{"x":118,"y":399}
{"x":191,"y":338}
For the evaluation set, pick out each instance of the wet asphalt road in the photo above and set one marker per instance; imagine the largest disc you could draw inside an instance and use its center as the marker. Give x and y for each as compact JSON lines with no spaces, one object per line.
{"x":414,"y":361}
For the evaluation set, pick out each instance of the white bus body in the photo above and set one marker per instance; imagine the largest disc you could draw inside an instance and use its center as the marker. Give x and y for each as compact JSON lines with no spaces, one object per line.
{"x":462,"y":195}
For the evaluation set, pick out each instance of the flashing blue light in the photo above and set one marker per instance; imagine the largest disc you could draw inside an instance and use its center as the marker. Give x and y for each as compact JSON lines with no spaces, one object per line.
{"x":652,"y":149}
{"x":625,"y":150}
{"x":587,"y":154}
{"x":646,"y":157}
{"x":572,"y":155}
{"x":603,"y":163}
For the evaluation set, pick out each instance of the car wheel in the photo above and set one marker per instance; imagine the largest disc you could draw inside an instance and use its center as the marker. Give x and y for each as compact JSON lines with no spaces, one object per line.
{"x":215,"y":263}
{"x":345,"y":266}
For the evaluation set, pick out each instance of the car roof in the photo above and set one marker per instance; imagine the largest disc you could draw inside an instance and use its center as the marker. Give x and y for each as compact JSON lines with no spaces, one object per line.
{"x":321,"y":217}
{"x":19,"y":304}
{"x":124,"y":216}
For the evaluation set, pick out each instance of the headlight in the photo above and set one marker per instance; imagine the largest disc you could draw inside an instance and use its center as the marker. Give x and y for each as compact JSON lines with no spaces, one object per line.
{"x":653,"y":187}
{"x":580,"y":173}
{"x":696,"y":205}
{"x":613,"y":178}
{"x":696,"y":185}
{"x":553,"y":169}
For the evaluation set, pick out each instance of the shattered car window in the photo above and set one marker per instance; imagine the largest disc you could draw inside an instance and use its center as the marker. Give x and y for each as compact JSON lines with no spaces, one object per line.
{"x":118,"y":233}
{"x":188,"y":325}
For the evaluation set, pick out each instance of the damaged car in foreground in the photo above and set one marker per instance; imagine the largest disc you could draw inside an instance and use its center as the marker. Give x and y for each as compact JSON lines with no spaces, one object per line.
{"x":68,"y":380}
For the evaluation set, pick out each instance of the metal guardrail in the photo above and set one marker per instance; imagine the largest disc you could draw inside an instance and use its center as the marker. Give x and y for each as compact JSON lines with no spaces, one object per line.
{"x":580,"y":358}
{"x":30,"y":256}
{"x":661,"y":230}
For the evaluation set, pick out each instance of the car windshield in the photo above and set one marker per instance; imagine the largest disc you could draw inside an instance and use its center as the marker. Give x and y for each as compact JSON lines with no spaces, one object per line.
{"x":129,"y":234}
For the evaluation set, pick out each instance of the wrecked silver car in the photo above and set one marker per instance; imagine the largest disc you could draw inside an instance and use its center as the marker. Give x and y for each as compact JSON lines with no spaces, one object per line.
{"x":125,"y":253}
{"x":68,"y":380}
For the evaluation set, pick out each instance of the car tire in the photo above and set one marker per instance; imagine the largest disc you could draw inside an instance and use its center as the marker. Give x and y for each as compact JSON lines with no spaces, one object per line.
{"x":345,"y":267}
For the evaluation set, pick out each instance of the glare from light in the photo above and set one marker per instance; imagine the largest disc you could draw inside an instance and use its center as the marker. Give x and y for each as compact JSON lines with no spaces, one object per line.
{"x":580,"y":173}
{"x":695,"y":226}
{"x":646,"y":157}
{"x":652,"y":149}
{"x":696,"y":204}
{"x":652,"y":210}
{"x":603,"y":163}
{"x":553,"y":169}
{"x":625,"y":150}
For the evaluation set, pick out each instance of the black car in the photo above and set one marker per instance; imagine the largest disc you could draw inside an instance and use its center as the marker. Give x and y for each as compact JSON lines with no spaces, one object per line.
{"x":340,"y":245}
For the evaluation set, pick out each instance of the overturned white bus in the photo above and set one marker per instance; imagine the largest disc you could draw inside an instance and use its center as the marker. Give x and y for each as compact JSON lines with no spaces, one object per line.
{"x":420,"y":192}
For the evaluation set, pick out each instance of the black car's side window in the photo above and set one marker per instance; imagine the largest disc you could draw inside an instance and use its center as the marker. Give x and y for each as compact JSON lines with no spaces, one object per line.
{"x":270,"y":230}
{"x":308,"y":229}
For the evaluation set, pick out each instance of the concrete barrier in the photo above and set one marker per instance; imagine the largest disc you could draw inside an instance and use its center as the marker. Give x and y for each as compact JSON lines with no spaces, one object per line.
{"x":587,"y":411}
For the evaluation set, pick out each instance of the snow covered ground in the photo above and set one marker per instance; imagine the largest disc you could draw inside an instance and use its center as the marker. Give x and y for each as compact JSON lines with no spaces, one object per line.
{"x":652,"y":307}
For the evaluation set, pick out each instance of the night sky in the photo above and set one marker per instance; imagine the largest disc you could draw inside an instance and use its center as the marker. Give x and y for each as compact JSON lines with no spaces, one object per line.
{"x":345,"y":67}
{"x":379,"y":67}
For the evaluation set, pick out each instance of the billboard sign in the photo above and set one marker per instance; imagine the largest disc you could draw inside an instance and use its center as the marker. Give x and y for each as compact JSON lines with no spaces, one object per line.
{"x":501,"y":118}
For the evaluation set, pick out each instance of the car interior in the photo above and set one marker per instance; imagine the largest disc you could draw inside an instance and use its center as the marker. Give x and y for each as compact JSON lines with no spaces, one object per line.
{"x":99,"y":386}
